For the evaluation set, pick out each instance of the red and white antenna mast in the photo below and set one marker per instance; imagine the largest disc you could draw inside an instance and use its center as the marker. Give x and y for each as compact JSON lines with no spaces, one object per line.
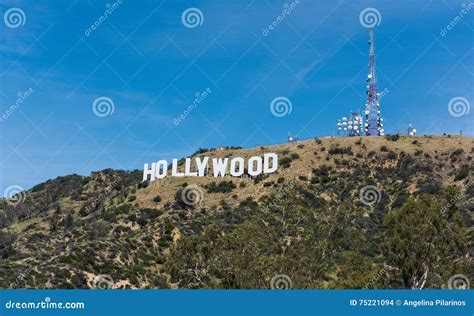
{"x":373,"y":118}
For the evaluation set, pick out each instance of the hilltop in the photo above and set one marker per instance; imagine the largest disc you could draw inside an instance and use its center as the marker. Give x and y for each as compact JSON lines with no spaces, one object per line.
{"x":378,"y":212}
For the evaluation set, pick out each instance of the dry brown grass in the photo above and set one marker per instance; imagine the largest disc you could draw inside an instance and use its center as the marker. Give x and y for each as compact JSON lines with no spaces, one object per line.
{"x":303,"y":166}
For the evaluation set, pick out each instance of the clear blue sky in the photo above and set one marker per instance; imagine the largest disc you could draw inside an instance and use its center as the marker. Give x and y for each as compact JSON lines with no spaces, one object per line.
{"x":151,"y":65}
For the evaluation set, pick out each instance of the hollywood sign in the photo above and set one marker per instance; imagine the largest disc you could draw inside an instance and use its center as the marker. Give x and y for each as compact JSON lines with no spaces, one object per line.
{"x":235,"y":167}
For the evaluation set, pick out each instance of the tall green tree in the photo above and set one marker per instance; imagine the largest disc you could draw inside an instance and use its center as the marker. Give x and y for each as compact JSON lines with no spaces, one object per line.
{"x":422,"y":244}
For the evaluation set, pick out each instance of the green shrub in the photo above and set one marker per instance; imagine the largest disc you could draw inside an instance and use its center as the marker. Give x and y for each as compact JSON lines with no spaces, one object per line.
{"x":285,"y":162}
{"x":143,"y":184}
{"x":222,"y":187}
{"x":392,"y":155}
{"x":392,"y":138}
{"x":294,"y":156}
{"x":336,"y":150}
{"x":462,"y":173}
{"x":159,"y":282}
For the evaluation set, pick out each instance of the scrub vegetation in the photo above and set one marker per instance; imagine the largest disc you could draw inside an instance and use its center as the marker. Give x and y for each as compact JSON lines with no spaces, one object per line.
{"x":308,"y":220}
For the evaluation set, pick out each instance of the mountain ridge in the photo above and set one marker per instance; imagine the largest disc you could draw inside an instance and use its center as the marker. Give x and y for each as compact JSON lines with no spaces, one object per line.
{"x":328,"y":218}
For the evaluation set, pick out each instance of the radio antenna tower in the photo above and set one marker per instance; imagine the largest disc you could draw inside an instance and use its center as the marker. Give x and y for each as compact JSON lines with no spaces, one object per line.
{"x":373,"y":118}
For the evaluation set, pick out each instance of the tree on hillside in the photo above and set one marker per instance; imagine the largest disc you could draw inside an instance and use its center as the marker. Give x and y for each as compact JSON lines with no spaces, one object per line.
{"x":422,"y":244}
{"x":6,"y":244}
{"x":68,"y":221}
{"x":190,"y":263}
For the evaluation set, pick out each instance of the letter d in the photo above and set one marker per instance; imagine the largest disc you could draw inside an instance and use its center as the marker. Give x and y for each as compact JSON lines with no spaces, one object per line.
{"x":266,"y":163}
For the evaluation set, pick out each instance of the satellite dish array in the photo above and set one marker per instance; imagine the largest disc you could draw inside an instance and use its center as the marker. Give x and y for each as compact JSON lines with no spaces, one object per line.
{"x":411,"y":130}
{"x":292,"y":139}
{"x":351,"y":126}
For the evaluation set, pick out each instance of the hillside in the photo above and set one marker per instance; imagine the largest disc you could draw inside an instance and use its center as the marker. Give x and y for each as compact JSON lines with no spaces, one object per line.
{"x":379,"y":212}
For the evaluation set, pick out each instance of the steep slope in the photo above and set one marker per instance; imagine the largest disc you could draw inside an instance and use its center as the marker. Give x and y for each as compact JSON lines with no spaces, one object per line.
{"x":392,"y":212}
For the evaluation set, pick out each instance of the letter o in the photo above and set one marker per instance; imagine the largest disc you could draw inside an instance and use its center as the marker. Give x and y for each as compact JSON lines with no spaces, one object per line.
{"x":233,"y":165}
{"x":161,"y":169}
{"x":258,"y":169}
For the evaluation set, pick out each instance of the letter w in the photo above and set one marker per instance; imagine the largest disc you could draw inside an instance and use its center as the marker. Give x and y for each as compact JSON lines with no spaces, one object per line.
{"x":219,"y":167}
